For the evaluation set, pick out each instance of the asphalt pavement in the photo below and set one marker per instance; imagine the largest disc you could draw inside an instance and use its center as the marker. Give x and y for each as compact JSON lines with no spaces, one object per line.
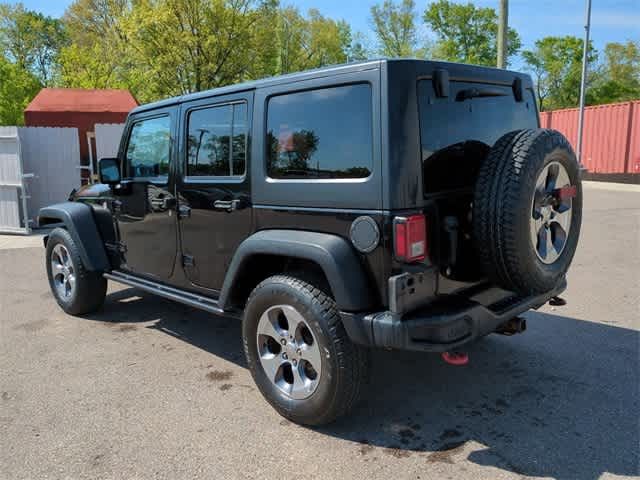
{"x":149,"y":389}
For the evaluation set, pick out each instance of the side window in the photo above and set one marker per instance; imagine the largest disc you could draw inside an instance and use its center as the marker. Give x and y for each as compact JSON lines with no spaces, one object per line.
{"x":324,"y":133}
{"x":148,"y":148}
{"x":217,"y":139}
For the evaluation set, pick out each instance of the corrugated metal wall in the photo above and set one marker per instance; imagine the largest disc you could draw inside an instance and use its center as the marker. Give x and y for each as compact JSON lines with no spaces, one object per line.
{"x":83,"y":121}
{"x":11,"y":186}
{"x":52,"y":155}
{"x":108,"y":139}
{"x":611,"y":140}
{"x":39,"y":164}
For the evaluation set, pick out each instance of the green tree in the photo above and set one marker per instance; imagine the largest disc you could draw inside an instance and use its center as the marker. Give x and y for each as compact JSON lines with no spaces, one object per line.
{"x":556,"y":63}
{"x":618,"y":78}
{"x":359,"y":48}
{"x":466,"y":33}
{"x":31,"y":40}
{"x":395,"y":28}
{"x":310,"y":42}
{"x":158,"y":48}
{"x":98,"y":54}
{"x":265,"y":49}
{"x":17,"y":87}
{"x":182,"y":46}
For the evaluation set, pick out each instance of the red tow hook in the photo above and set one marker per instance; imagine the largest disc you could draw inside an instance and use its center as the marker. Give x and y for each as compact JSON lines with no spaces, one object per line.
{"x":455,"y":358}
{"x":570,"y":191}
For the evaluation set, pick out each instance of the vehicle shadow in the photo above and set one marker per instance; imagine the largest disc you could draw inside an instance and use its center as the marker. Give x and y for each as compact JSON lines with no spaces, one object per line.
{"x":560,"y":401}
{"x":220,"y":336}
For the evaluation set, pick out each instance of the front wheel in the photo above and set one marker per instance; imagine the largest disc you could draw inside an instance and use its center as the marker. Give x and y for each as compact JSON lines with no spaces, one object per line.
{"x":76,"y":289}
{"x":299,"y":354}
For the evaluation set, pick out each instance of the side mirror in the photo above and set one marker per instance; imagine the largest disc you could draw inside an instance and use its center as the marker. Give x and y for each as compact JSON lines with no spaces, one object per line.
{"x":109,"y":171}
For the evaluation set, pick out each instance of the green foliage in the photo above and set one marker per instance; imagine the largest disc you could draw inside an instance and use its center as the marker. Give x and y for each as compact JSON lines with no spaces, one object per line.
{"x":395,"y":28}
{"x":182,"y":46}
{"x":160,"y":48}
{"x":466,"y":33}
{"x":556,"y":63}
{"x":618,"y":78}
{"x":17,"y":88}
{"x":359,"y":49}
{"x":310,"y":42}
{"x":98,"y":55}
{"x":31,"y":40}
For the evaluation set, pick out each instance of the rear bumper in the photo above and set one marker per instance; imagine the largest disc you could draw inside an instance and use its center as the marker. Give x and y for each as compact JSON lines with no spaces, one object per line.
{"x":446,"y":324}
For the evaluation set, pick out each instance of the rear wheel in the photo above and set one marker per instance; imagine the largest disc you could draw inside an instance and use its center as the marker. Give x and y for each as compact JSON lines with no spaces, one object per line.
{"x":527,"y":210}
{"x":76,"y":289}
{"x":298,"y":352}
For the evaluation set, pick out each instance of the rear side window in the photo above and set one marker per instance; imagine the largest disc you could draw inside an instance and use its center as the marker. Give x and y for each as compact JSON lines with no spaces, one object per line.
{"x":320,"y":134}
{"x":148,"y":148}
{"x":456,"y":132}
{"x":217,"y":141}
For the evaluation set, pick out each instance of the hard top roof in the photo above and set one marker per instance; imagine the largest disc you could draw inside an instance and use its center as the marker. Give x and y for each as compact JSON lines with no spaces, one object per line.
{"x":457,"y":70}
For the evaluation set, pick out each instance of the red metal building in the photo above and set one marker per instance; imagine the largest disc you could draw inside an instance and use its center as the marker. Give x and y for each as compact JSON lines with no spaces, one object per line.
{"x":79,"y":108}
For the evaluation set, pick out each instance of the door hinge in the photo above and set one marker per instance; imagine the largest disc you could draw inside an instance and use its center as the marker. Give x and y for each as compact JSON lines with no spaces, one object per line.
{"x":187,"y":261}
{"x":117,"y":247}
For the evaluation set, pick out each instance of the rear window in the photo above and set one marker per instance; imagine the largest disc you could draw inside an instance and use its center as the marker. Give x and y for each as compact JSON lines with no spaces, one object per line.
{"x":318,"y":134}
{"x":456,"y":132}
{"x":217,"y":141}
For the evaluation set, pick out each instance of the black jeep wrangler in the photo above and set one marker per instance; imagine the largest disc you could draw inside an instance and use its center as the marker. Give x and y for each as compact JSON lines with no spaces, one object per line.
{"x":400,"y":204}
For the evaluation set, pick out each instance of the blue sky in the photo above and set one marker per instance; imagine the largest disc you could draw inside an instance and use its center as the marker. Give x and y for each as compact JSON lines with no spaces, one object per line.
{"x":612,"y":20}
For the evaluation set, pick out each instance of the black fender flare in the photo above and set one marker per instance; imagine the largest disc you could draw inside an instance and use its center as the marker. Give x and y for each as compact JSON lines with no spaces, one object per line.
{"x":335,"y":256}
{"x":79,"y":221}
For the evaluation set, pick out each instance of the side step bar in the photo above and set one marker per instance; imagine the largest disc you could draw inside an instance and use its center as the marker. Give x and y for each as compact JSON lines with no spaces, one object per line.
{"x":182,"y":296}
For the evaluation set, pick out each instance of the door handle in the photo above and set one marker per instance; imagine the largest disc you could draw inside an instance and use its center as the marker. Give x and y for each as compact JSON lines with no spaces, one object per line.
{"x":163,"y":203}
{"x":168,"y":202}
{"x":228,"y":205}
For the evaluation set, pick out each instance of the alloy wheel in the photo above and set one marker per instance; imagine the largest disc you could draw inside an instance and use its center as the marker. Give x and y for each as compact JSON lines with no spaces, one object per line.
{"x":550,"y":213}
{"x":288,"y":351}
{"x":63,"y":272}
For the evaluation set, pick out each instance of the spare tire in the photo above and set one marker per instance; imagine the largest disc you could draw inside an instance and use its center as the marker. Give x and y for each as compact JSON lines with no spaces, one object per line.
{"x":527,"y":210}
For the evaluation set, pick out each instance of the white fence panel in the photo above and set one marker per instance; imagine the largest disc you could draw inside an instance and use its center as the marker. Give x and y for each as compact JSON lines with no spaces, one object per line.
{"x":11,"y":182}
{"x":10,"y":210}
{"x":10,"y":171}
{"x":52,"y":155}
{"x":108,"y":139}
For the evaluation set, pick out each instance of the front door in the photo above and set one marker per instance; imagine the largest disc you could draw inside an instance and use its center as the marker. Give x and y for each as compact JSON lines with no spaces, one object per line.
{"x":213,"y":192}
{"x":144,"y":205}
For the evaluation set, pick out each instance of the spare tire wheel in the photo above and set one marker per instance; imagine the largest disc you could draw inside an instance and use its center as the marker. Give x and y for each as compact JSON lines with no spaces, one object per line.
{"x":527,"y":210}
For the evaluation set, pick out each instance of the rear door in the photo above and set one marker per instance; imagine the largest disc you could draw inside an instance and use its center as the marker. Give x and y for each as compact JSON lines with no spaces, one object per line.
{"x":213,"y":189}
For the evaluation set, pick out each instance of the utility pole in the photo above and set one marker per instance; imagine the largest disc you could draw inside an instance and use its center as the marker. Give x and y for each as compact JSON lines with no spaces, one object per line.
{"x":583,"y":81}
{"x":503,"y":26}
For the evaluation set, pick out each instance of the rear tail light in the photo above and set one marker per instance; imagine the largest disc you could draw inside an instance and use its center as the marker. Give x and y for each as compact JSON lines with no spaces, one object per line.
{"x":410,"y":238}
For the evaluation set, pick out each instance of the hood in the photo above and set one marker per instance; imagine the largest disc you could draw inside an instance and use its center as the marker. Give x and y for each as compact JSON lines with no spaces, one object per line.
{"x":90,"y":192}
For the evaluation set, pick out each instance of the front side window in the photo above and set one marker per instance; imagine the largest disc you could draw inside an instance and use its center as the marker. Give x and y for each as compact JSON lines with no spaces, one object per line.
{"x":217,"y":141}
{"x":324,"y":133}
{"x":148,"y":148}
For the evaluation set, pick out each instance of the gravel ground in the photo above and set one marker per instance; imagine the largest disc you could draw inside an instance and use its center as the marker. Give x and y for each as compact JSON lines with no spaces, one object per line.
{"x":151,"y":389}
